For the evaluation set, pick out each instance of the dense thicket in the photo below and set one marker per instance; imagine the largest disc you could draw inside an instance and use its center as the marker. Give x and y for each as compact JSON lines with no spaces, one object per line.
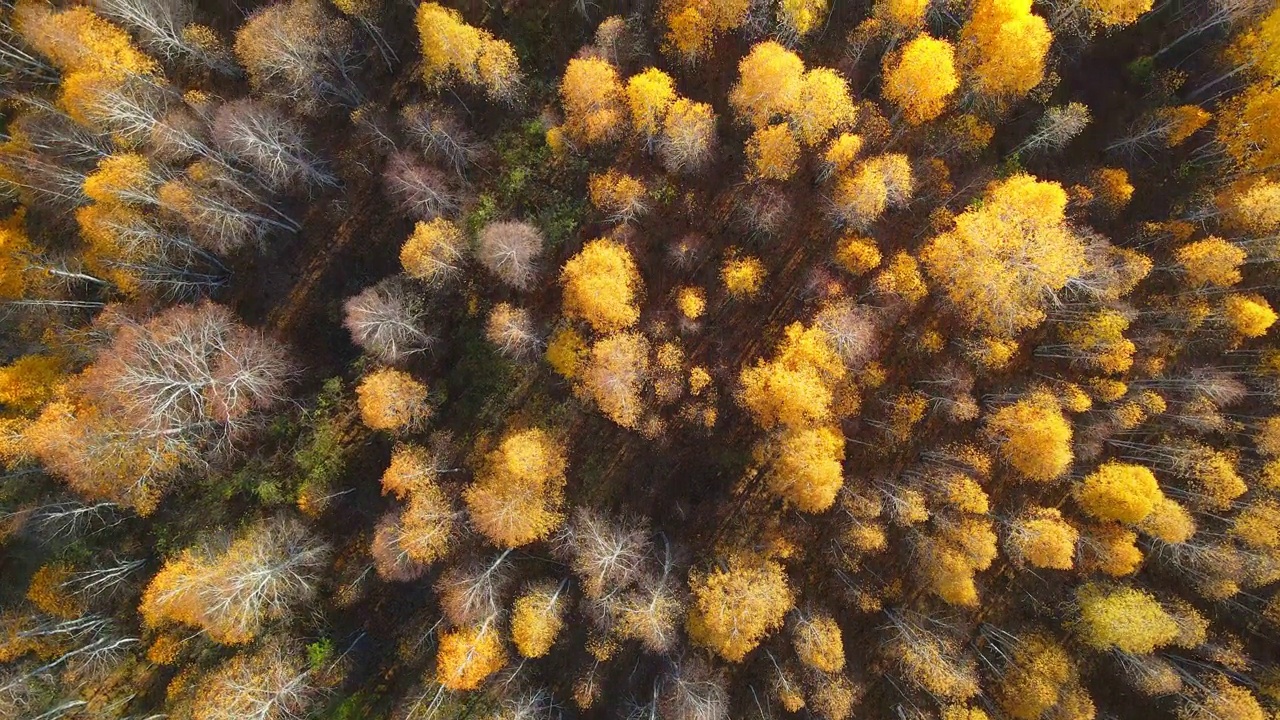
{"x":679,"y":359}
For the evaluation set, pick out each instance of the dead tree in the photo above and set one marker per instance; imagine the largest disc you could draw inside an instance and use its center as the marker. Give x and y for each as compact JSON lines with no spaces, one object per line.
{"x":262,"y":137}
{"x":510,"y":250}
{"x":421,"y":190}
{"x":441,"y":134}
{"x":300,"y":51}
{"x":388,"y":322}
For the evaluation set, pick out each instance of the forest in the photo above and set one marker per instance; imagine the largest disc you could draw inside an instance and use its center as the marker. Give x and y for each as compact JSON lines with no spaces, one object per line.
{"x":639,"y":359}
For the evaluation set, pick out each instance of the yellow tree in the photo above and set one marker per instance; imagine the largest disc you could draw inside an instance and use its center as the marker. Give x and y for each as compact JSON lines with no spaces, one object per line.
{"x":772,"y":153}
{"x":743,"y":276}
{"x":818,"y":643}
{"x":618,"y":195}
{"x":518,"y":495}
{"x":602,"y":286}
{"x":921,"y":78}
{"x":771,"y":80}
{"x":1004,"y":46}
{"x":467,"y":656}
{"x":1119,"y":491}
{"x":688,"y":138}
{"x":1003,"y":258}
{"x":799,"y":17}
{"x":537,"y":618}
{"x":1249,"y":316}
{"x":1033,"y":436}
{"x":1212,"y":261}
{"x":692,"y":25}
{"x":1249,"y":127}
{"x":797,"y":386}
{"x":824,"y":105}
{"x":1122,"y":618}
{"x":392,"y":400}
{"x":1041,"y":538}
{"x":1039,"y":676}
{"x":805,"y":467}
{"x":593,"y":101}
{"x":434,"y":252}
{"x":861,"y":196}
{"x":650,"y":95}
{"x":615,"y":373}
{"x":737,"y":604}
{"x":453,"y":49}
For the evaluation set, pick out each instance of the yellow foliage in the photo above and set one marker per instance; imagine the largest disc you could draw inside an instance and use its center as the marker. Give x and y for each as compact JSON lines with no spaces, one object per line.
{"x":1183,"y":122}
{"x":1116,"y":13}
{"x":1034,"y":436}
{"x":904,"y":14}
{"x":614,"y":374}
{"x":1258,"y":525}
{"x":1257,"y":47}
{"x":48,"y":593}
{"x":1169,"y":522}
{"x":601,"y":286}
{"x":468,"y":656}
{"x":801,"y":16}
{"x":453,"y":49}
{"x":736,"y":605}
{"x":1212,"y":261}
{"x":693,"y":24}
{"x":649,"y":96}
{"x":517,"y":497}
{"x":1119,"y":491}
{"x":772,"y":153}
{"x":1222,"y":700}
{"x":921,"y":78}
{"x":392,"y":400}
{"x":536,"y":620}
{"x":1112,"y":549}
{"x":618,"y":195}
{"x":796,"y":387}
{"x":742,"y":276}
{"x":818,"y":643}
{"x":434,"y":251}
{"x":1043,"y":539}
{"x":1248,"y":315}
{"x":29,"y":382}
{"x":825,"y":104}
{"x":858,"y":255}
{"x":1249,"y":127}
{"x":566,"y":352}
{"x":1123,"y":618}
{"x":592,"y":96}
{"x":806,"y":468}
{"x":692,"y":302}
{"x":121,"y":178}
{"x":770,"y":83}
{"x":842,"y":151}
{"x":901,"y":277}
{"x":1100,"y":340}
{"x":1112,"y":188}
{"x":1252,"y":205}
{"x":1004,"y":47}
{"x":411,"y":470}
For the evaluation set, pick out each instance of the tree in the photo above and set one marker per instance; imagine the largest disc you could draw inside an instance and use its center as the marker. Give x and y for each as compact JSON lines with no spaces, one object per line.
{"x":537,"y":618}
{"x":468,"y":656}
{"x":688,"y":139}
{"x":1033,"y":436}
{"x":1039,"y":676}
{"x":797,"y":387}
{"x":1004,"y":47}
{"x":592,"y":97}
{"x":824,"y":105}
{"x":692,"y":690}
{"x":1119,"y":491}
{"x":1040,"y":537}
{"x":771,"y":80}
{"x":928,"y":659}
{"x":230,"y":590}
{"x":441,"y":134}
{"x":1110,"y":548}
{"x":511,"y":330}
{"x":388,"y":322}
{"x":422,"y":191}
{"x":1057,"y":128}
{"x":615,"y":372}
{"x":300,"y":51}
{"x":164,"y":393}
{"x":1001,"y":261}
{"x":742,"y":276}
{"x":453,"y":50}
{"x":1211,"y":261}
{"x":1122,"y":618}
{"x":1248,"y":127}
{"x":434,"y":252}
{"x":1249,"y":316}
{"x":621,"y":197}
{"x":273,"y":145}
{"x":880,"y":182}
{"x":166,"y":30}
{"x":1163,"y":128}
{"x":28,"y":382}
{"x":608,"y":554}
{"x":692,"y":25}
{"x":921,"y":78}
{"x":650,"y":95}
{"x":805,"y":467}
{"x":517,"y":496}
{"x":510,"y":250}
{"x":818,"y":643}
{"x":736,"y":605}
{"x":602,"y":286}
{"x":392,"y":400}
{"x":1221,"y":698}
{"x":271,"y":683}
{"x":772,"y":153}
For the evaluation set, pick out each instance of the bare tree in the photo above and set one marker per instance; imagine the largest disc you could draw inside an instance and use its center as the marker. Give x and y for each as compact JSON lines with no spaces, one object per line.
{"x":166,"y":30}
{"x":221,"y":213}
{"x":511,"y":250}
{"x":391,"y":558}
{"x":388,"y":322}
{"x":300,"y":51}
{"x":607,"y":554}
{"x":262,"y":137}
{"x":273,"y":682}
{"x":853,"y":332}
{"x":1057,"y":127}
{"x":473,"y":593}
{"x":441,"y":134}
{"x":421,"y":190}
{"x":692,"y":690}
